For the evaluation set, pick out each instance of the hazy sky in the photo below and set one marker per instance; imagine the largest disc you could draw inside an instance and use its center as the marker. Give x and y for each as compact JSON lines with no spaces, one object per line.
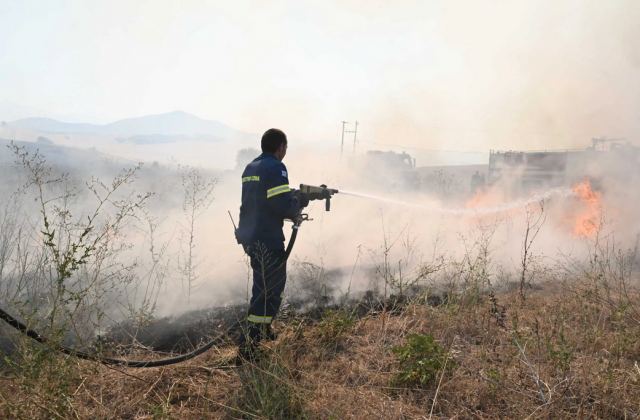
{"x":441,"y":74}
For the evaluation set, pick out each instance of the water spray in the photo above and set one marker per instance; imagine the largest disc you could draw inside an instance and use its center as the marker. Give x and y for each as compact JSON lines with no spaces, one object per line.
{"x":461,"y":211}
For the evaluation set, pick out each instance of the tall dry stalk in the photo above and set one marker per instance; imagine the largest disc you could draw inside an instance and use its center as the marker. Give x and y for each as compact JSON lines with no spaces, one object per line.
{"x":198,"y":196}
{"x":534,"y":221}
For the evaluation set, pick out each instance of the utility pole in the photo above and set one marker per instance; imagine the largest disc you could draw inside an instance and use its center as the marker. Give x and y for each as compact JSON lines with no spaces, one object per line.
{"x":355,"y":138}
{"x":342,"y":141}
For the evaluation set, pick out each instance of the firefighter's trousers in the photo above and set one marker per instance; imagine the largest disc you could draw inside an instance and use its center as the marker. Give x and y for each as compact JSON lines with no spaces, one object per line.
{"x":269,"y":278}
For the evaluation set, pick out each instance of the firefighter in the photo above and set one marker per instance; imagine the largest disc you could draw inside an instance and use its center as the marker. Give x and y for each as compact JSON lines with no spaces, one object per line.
{"x":267,"y":200}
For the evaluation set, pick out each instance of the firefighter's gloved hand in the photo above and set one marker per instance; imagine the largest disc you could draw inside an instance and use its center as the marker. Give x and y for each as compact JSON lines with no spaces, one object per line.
{"x":301,"y":198}
{"x":298,"y":219}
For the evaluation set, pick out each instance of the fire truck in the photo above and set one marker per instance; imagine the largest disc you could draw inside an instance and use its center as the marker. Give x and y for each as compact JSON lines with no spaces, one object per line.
{"x":530,"y":170}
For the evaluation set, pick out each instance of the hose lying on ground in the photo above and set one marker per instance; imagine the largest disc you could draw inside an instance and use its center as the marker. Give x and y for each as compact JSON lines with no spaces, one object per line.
{"x":6,"y":317}
{"x":97,"y":358}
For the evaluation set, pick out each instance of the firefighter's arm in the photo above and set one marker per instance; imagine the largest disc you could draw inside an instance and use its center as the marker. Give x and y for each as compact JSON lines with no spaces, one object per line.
{"x":281,"y":198}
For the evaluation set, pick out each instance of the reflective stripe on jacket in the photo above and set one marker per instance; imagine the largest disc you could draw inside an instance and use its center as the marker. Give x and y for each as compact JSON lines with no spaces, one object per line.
{"x":266,"y":201}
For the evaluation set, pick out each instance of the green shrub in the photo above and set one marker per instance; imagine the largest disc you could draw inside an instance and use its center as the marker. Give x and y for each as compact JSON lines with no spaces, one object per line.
{"x":46,"y":381}
{"x":421,"y":358}
{"x":268,"y":390}
{"x":560,"y":353}
{"x":334,"y":327}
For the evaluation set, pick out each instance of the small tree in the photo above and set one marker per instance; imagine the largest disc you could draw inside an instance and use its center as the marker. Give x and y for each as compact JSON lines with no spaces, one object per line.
{"x":198,"y":196}
{"x":78,"y":267}
{"x":245,"y":156}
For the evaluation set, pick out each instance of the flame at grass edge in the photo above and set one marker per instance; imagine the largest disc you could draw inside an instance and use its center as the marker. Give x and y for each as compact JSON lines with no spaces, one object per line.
{"x":587,"y":221}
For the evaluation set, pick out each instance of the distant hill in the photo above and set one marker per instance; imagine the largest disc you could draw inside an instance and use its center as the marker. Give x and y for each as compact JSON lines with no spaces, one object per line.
{"x":48,"y":125}
{"x":64,"y":157}
{"x":170,"y":124}
{"x":161,"y":128}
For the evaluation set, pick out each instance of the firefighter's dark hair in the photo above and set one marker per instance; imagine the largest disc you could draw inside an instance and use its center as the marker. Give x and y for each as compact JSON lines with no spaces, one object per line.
{"x":272,"y":139}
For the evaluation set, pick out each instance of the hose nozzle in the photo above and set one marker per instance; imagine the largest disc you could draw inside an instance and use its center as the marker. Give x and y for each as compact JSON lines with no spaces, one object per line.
{"x":322,"y":192}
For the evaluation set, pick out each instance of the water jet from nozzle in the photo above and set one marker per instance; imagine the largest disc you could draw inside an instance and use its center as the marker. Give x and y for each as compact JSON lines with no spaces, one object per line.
{"x":460,"y":211}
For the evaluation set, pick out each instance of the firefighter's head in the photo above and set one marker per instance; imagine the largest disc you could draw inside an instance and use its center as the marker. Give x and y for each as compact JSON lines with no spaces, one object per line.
{"x":274,"y":141}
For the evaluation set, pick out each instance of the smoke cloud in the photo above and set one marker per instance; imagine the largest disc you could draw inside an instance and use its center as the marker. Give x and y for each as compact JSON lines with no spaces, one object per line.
{"x":445,"y":81}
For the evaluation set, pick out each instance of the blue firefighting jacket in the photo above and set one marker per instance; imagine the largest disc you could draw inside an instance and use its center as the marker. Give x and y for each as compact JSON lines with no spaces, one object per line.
{"x":266,"y":201}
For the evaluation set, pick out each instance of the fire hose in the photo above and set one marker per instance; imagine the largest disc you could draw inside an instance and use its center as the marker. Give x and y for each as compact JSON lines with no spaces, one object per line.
{"x":312,"y":193}
{"x":102,"y":359}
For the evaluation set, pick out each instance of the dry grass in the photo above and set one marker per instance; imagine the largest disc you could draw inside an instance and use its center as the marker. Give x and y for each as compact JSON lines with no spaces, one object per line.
{"x":557,"y":354}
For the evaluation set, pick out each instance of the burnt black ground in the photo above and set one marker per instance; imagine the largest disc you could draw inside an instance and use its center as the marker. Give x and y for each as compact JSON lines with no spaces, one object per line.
{"x":185,"y":332}
{"x":177,"y":334}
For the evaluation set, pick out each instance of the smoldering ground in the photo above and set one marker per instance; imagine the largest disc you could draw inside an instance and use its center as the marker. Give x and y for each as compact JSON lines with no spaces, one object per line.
{"x":387,"y":237}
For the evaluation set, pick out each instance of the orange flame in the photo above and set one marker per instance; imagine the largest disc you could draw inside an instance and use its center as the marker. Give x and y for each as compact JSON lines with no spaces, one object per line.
{"x":587,"y":222}
{"x":485,"y":198}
